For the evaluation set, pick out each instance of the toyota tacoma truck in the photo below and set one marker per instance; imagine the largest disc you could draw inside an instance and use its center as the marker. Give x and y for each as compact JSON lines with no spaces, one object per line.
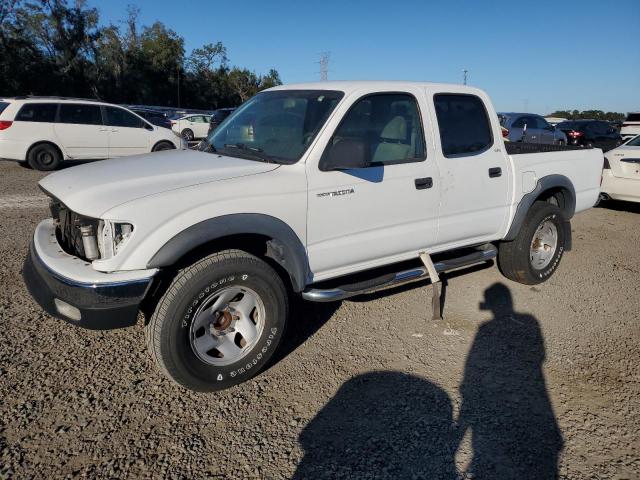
{"x":323,"y":190}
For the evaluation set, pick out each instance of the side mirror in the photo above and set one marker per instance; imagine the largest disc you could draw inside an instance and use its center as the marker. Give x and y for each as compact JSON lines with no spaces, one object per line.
{"x":346,"y":154}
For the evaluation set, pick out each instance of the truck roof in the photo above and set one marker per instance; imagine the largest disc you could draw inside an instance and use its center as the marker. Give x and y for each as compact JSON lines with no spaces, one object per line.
{"x":349,"y":86}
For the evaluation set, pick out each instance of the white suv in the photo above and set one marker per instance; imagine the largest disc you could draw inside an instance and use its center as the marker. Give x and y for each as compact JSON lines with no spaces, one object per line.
{"x":191,"y":127}
{"x":45,"y":131}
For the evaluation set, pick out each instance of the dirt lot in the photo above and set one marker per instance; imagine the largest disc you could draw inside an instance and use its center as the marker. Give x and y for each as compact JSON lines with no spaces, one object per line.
{"x":516,"y":382}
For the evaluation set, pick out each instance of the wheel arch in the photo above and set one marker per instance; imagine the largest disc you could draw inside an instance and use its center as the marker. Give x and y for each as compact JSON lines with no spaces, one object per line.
{"x":43,"y":142}
{"x":164,"y":140}
{"x":556,"y":189}
{"x":260,"y":234}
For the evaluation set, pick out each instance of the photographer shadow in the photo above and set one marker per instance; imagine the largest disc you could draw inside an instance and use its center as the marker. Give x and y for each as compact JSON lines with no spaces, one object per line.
{"x":396,"y":425}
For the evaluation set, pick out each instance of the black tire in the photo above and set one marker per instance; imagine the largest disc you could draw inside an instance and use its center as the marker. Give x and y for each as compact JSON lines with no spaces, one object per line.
{"x":160,"y":146}
{"x":44,"y":157}
{"x":514,"y":258}
{"x":168,"y":334}
{"x":187,"y":134}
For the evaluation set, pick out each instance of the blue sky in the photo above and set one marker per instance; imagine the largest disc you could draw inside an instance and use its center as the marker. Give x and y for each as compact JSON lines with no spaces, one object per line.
{"x":535,"y":56}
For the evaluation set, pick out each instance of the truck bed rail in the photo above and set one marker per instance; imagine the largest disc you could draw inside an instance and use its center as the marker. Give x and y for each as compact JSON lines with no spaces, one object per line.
{"x":517,"y":148}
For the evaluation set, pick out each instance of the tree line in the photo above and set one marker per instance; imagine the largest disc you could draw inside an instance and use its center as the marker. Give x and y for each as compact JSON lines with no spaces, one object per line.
{"x":52,"y":47}
{"x":589,"y":114}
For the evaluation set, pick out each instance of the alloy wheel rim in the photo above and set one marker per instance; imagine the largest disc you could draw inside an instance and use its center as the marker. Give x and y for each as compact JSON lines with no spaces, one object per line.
{"x":227,"y":325}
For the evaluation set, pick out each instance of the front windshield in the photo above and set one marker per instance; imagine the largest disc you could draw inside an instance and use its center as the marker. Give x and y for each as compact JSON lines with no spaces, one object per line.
{"x":275,"y":126}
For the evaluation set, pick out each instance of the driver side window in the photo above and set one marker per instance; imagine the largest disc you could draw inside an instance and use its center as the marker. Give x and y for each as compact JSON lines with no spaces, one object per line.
{"x":389,"y":125}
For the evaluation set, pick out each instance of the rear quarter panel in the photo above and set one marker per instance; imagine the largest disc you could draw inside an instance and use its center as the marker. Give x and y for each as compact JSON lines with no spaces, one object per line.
{"x":582,"y":167}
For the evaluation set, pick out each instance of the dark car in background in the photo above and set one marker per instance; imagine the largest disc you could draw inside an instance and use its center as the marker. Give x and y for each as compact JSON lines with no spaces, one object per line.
{"x":530,"y":128}
{"x":154,"y":117}
{"x":591,"y":134}
{"x":218,"y":116}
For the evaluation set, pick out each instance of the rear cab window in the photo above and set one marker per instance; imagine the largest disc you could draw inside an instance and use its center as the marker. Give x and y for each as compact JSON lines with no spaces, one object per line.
{"x":464,"y":124}
{"x":37,"y":112}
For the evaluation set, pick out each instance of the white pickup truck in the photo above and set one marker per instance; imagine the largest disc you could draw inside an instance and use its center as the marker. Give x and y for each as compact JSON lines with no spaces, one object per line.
{"x":323,"y":190}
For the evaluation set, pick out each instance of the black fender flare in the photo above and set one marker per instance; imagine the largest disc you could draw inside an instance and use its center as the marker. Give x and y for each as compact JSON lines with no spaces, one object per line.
{"x":284,"y":245}
{"x":545,"y":183}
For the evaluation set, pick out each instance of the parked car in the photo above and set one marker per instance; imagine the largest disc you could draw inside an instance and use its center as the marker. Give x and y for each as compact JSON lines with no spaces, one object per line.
{"x":46,"y":131}
{"x":155,"y":117}
{"x":191,"y":127}
{"x":218,"y":116}
{"x":530,"y":128}
{"x":320,"y":201}
{"x":591,"y":134}
{"x":631,"y":126}
{"x":621,"y":173}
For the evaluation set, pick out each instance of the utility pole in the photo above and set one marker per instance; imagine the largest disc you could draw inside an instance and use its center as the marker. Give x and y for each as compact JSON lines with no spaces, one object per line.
{"x":464,"y":78}
{"x":324,"y":66}
{"x":178,"y":70}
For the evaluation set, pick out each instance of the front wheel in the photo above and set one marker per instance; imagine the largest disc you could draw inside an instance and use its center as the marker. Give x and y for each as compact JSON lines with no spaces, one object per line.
{"x":163,"y":146}
{"x":534,"y":255}
{"x":219,"y":322}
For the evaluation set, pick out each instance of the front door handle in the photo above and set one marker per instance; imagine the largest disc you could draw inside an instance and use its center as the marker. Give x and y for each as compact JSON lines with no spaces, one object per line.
{"x":423,"y":183}
{"x":495,"y":172}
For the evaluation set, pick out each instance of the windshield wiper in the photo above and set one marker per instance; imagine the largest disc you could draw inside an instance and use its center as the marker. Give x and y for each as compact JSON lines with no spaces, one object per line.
{"x":254,"y":152}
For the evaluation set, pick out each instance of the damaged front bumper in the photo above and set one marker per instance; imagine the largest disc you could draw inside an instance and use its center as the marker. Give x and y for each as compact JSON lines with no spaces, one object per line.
{"x":68,"y":287}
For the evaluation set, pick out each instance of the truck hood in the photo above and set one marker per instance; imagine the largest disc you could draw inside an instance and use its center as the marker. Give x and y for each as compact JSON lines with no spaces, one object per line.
{"x":94,"y":188}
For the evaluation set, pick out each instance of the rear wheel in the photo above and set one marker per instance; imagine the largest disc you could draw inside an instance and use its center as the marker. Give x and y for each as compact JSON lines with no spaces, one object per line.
{"x":219,"y":322}
{"x":534,"y":255}
{"x":44,"y":157}
{"x":187,"y":134}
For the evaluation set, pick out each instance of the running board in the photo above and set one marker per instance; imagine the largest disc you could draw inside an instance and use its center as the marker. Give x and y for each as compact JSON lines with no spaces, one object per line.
{"x":477,"y":255}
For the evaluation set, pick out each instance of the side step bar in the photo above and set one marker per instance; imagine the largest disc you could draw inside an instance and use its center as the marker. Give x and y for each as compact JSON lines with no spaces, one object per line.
{"x":478,"y":255}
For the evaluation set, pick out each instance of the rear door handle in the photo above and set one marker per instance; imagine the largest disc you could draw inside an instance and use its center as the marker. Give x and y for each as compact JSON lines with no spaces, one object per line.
{"x":423,"y":183}
{"x":495,"y":172}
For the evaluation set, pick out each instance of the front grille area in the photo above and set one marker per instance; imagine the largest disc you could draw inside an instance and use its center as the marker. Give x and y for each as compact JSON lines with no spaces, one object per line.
{"x":68,"y":225}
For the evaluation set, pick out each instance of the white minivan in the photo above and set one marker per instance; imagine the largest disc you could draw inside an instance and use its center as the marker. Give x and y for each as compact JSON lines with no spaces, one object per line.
{"x":45,"y":131}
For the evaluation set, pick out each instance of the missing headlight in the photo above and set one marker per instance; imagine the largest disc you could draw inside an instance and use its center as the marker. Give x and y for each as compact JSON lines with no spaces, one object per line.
{"x":112,"y":237}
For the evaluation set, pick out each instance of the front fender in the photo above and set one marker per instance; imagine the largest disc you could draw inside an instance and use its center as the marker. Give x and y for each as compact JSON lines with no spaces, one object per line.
{"x":285,"y":246}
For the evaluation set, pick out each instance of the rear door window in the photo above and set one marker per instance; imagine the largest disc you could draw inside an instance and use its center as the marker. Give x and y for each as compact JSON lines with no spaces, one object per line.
{"x":37,"y":112}
{"x":463,"y":123}
{"x":118,"y":117}
{"x":633,"y":117}
{"x":81,"y":114}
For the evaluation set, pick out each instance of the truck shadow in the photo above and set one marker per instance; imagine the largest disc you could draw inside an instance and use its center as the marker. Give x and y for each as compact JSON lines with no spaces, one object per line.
{"x":307,"y":317}
{"x":396,"y":425}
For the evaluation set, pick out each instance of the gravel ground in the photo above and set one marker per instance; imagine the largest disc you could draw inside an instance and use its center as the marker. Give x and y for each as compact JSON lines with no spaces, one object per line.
{"x":516,"y":382}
